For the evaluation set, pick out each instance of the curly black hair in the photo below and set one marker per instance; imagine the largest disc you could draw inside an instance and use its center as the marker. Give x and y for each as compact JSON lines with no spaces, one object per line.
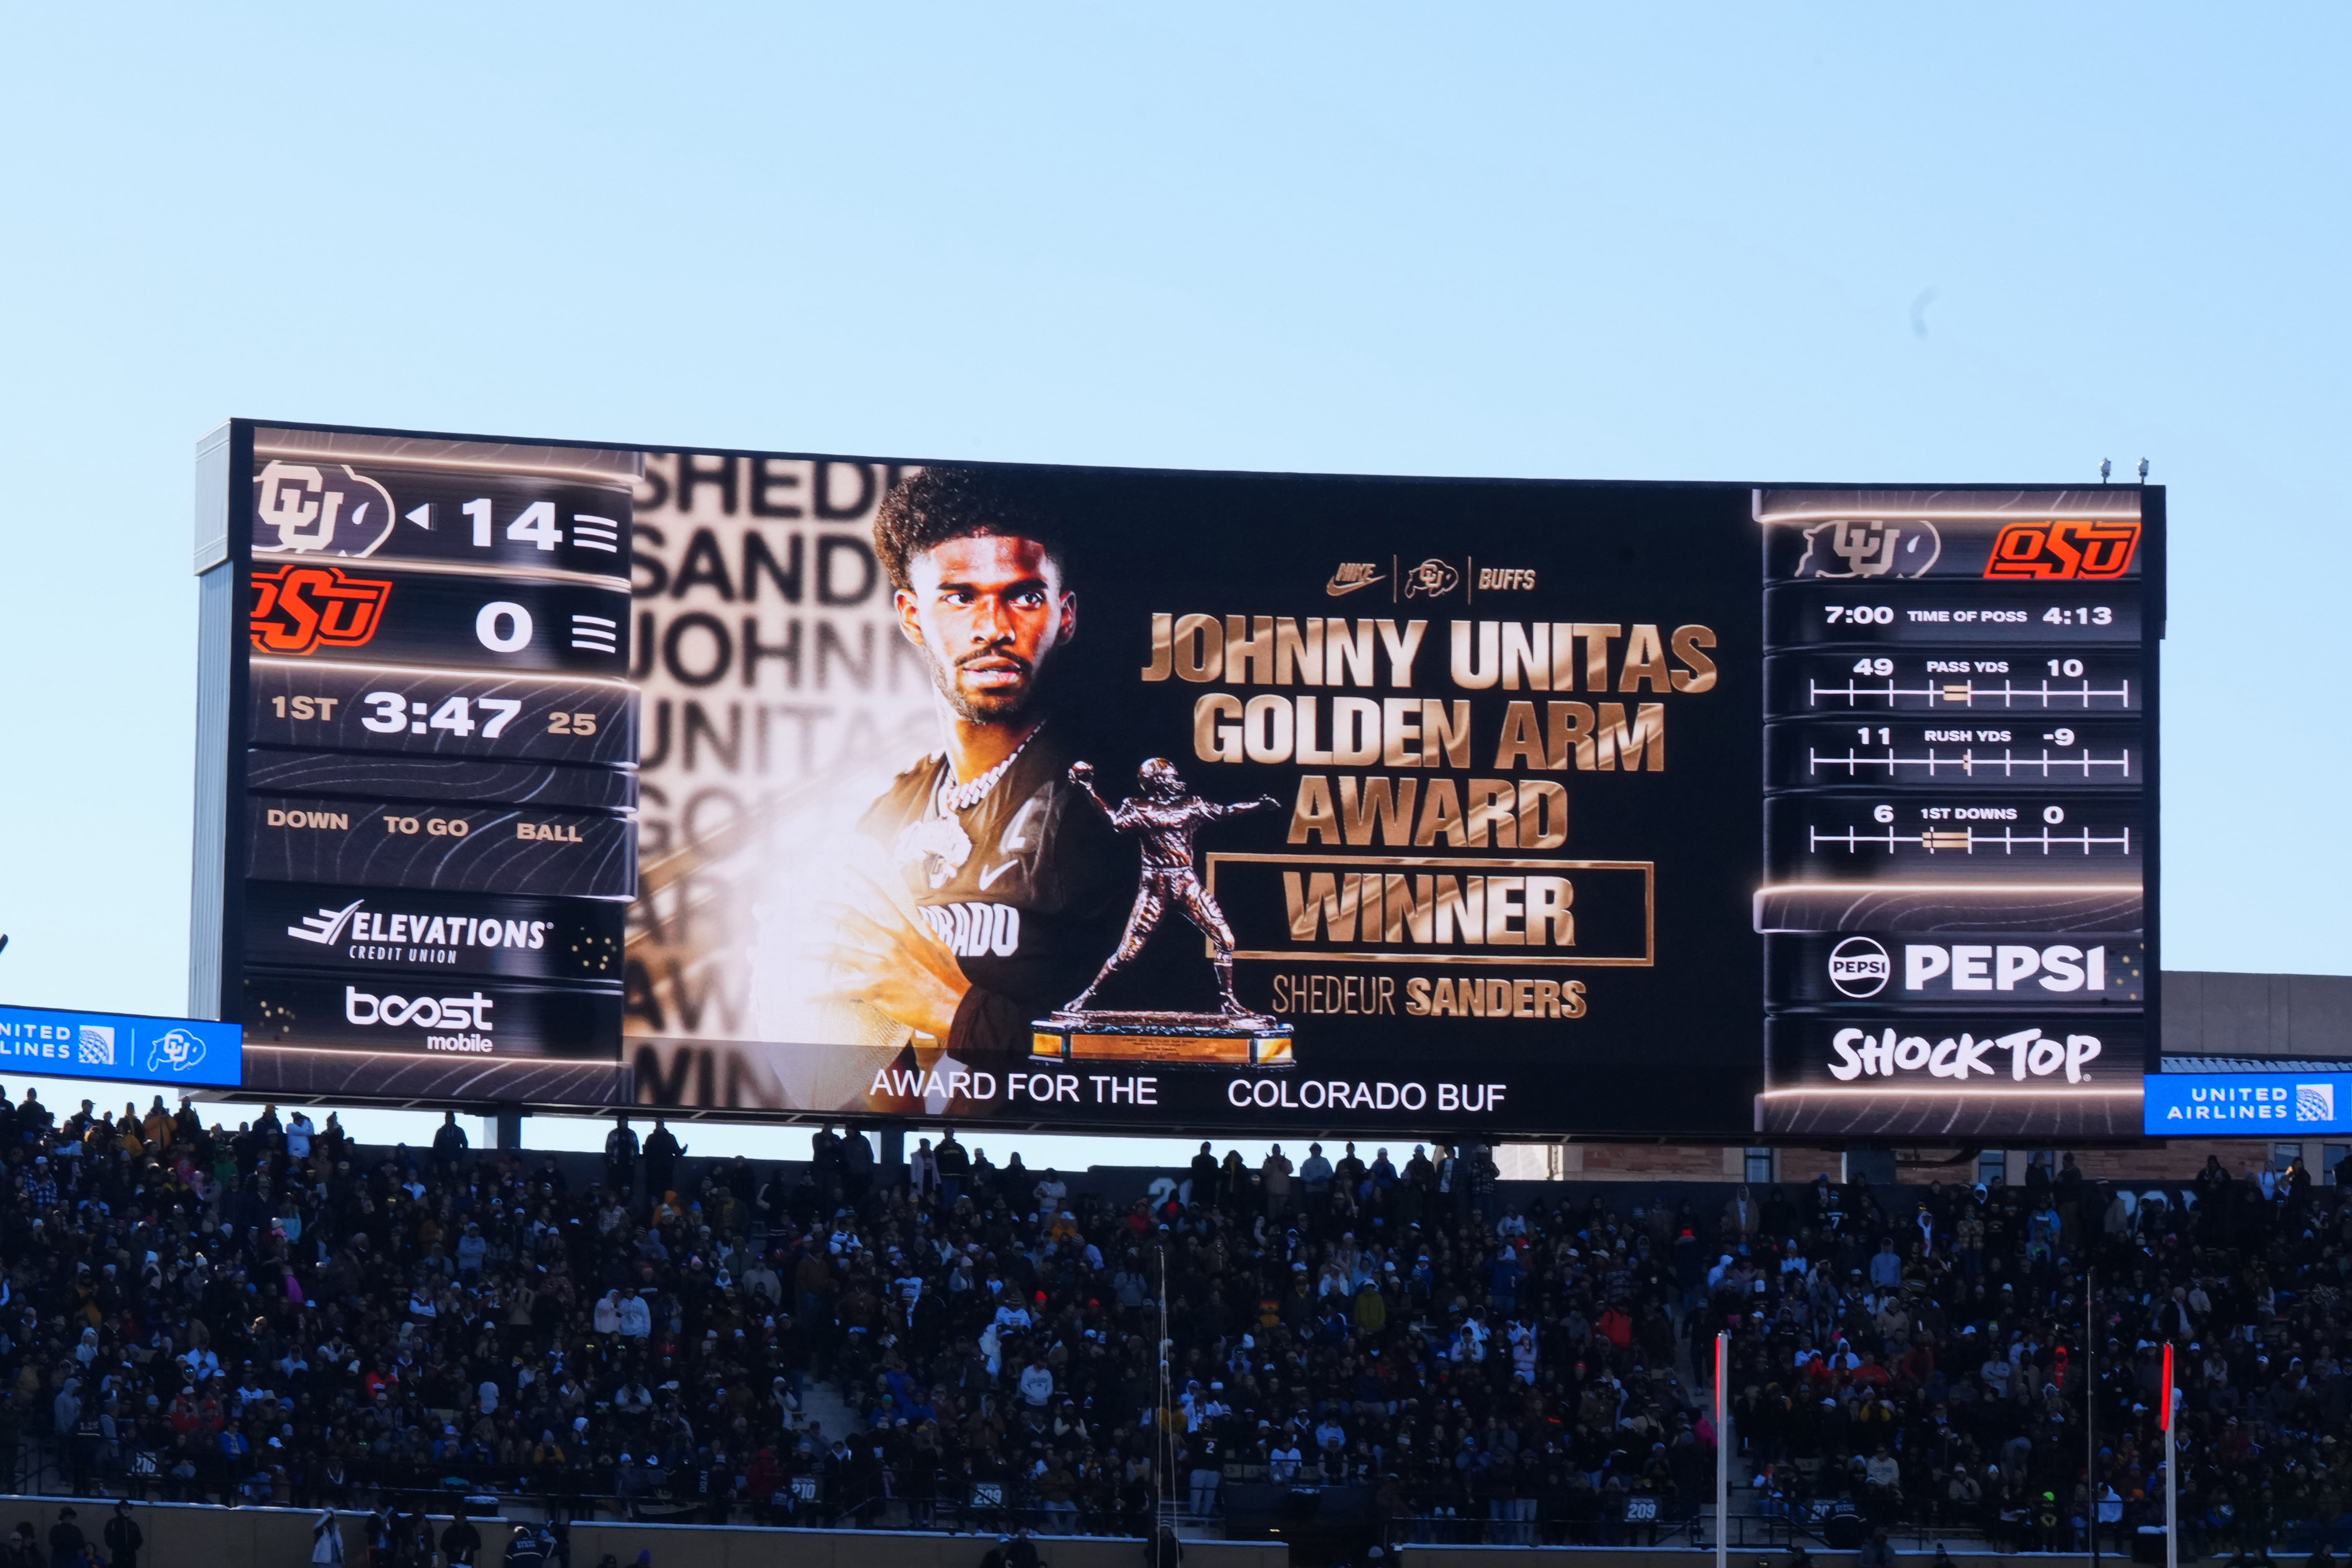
{"x":944,"y":503}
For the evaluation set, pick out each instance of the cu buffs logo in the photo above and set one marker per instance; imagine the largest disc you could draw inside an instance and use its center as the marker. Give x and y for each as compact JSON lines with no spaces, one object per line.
{"x":1870,"y":548}
{"x":2049,"y":551}
{"x":1430,"y":579}
{"x":300,"y":609}
{"x":175,"y":1051}
{"x":302,"y":511}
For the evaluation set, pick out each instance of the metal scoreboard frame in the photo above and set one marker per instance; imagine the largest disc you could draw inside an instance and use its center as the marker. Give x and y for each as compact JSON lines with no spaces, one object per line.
{"x":441,"y":856}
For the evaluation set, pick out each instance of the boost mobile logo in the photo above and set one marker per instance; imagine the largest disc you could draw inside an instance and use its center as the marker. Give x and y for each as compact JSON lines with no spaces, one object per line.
{"x":462,"y":1013}
{"x":1870,"y":548}
{"x":292,"y":501}
{"x":2031,"y":1053}
{"x":450,"y":1012}
{"x":300,"y":609}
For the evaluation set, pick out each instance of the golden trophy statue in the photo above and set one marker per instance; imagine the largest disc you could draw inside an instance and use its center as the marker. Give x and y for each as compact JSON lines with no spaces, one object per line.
{"x":1165,"y":818}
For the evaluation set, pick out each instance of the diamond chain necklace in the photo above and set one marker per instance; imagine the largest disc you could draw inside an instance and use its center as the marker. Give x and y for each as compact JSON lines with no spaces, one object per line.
{"x":962,"y":797}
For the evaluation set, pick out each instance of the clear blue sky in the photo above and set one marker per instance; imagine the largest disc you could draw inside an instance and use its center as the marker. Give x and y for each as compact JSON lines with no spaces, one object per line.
{"x":1862,"y":243}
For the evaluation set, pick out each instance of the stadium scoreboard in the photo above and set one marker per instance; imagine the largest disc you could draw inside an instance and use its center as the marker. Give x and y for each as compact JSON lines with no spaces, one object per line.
{"x":570,"y":775}
{"x":417,"y":764}
{"x":1958,"y":704}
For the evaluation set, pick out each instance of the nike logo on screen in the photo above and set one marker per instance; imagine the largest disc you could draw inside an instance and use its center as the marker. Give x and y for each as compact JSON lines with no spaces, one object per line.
{"x":1352,"y":575}
{"x":988,"y":878}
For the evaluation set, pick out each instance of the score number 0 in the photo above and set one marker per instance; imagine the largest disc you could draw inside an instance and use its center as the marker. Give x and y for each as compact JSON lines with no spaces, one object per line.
{"x":394,"y":713}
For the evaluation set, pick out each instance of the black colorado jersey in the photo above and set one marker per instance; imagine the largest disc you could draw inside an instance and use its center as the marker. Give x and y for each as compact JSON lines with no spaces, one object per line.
{"x":1027,"y":888}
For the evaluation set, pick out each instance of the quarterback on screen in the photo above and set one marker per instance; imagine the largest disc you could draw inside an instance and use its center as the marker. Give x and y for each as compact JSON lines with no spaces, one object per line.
{"x":1014,"y":879}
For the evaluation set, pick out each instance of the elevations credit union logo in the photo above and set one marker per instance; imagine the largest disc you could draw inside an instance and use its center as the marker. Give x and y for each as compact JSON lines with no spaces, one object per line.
{"x":300,"y":609}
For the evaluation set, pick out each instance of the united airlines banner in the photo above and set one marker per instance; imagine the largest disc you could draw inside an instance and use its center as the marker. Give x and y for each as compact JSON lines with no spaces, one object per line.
{"x":2306,"y":1104}
{"x":120,"y":1047}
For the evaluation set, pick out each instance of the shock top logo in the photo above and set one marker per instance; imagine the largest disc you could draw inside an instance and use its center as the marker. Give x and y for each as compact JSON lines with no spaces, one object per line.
{"x":2063,"y":550}
{"x":300,"y":609}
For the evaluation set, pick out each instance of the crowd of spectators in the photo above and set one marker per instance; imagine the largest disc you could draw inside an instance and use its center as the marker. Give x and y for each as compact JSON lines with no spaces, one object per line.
{"x":1925,"y":1358}
{"x":274,"y":1314}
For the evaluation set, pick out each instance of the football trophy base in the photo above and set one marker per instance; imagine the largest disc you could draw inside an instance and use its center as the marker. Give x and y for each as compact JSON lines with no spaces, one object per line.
{"x":1208,"y":1039}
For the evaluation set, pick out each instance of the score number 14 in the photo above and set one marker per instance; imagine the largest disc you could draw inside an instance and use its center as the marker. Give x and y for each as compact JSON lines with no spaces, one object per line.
{"x":536,"y":526}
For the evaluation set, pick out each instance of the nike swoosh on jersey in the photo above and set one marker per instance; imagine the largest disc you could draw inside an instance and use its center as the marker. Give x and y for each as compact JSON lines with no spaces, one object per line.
{"x":989,"y":876}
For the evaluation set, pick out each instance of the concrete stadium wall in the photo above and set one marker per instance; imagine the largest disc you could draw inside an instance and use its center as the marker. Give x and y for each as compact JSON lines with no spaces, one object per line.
{"x":1672,"y":1557}
{"x":191,"y":1535}
{"x":721,"y":1546}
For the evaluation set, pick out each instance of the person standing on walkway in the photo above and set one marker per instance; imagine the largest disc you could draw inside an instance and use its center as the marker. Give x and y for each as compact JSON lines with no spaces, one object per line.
{"x":620,"y":1157}
{"x":65,"y":1541}
{"x":123,"y":1538}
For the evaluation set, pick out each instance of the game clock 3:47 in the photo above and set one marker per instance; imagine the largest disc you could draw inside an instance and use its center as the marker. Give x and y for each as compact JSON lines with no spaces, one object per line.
{"x":392,"y":714}
{"x":320,"y":705}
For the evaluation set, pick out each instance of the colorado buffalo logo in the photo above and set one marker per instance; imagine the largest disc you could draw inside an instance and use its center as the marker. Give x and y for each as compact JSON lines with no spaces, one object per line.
{"x":1870,"y":548}
{"x":298,"y":510}
{"x":175,"y":1051}
{"x":299,"y":609}
{"x":1431,"y":578}
{"x":2063,"y":550}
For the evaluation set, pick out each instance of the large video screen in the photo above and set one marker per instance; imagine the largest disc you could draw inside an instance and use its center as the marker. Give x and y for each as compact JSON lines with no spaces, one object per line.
{"x":1131,"y":800}
{"x":417,"y":780}
{"x":1958,"y":767}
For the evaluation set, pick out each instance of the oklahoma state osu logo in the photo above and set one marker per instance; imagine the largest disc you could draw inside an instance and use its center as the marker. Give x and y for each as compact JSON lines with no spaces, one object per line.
{"x":2068,"y":549}
{"x":299,"y":609}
